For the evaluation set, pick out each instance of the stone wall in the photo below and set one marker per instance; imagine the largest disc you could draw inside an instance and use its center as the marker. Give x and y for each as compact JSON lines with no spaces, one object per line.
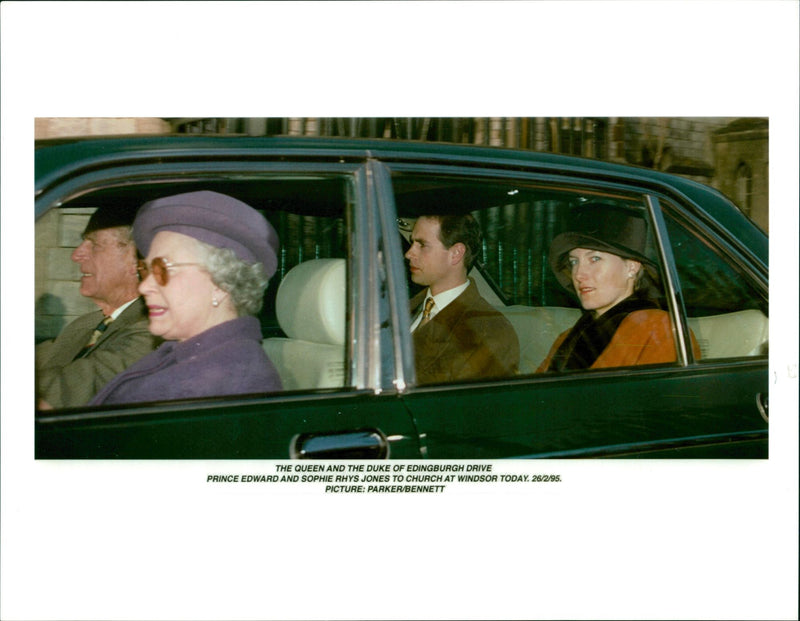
{"x":742,"y":161}
{"x":678,"y":145}
{"x":731,"y":155}
{"x":77,"y":126}
{"x":58,"y":301}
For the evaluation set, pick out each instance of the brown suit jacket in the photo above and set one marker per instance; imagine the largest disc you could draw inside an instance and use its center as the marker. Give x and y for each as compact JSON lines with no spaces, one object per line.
{"x":468,"y":339}
{"x":65,"y":382}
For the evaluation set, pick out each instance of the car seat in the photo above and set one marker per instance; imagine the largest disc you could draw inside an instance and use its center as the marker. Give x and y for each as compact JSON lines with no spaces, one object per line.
{"x":310,"y":307}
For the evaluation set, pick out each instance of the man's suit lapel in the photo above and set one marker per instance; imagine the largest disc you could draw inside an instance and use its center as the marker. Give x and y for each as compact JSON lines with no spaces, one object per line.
{"x":130,"y":315}
{"x":450,"y":315}
{"x":447,"y":320}
{"x":415,"y":304}
{"x":75,"y":340}
{"x":435,"y":339}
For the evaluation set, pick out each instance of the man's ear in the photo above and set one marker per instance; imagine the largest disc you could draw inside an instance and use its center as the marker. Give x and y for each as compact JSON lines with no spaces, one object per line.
{"x":133,"y":262}
{"x":457,"y":251}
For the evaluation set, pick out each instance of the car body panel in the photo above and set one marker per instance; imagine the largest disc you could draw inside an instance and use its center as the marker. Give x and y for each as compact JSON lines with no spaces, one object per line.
{"x":230,"y":429}
{"x":636,"y":412}
{"x":690,"y":409}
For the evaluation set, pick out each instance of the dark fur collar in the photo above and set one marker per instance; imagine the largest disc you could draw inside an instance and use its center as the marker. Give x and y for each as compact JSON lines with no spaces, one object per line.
{"x":591,"y":335}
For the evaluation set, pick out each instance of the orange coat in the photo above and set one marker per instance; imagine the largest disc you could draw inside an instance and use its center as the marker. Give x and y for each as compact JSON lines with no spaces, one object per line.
{"x":643,"y":337}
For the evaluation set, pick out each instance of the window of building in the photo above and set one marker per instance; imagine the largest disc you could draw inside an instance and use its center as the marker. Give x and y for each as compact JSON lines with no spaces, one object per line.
{"x":744,"y":188}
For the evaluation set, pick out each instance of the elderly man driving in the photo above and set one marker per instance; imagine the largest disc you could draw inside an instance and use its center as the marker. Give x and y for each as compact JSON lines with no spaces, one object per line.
{"x":74,"y":366}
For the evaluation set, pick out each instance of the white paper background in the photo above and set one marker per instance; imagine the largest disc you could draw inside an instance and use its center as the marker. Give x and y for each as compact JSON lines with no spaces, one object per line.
{"x":133,"y":540}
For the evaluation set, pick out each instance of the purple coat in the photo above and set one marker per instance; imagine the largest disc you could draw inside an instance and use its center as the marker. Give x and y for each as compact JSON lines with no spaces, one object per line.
{"x":224,"y":360}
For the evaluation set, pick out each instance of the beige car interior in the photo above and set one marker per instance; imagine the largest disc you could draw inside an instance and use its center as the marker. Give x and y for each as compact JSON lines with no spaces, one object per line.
{"x":311,"y":306}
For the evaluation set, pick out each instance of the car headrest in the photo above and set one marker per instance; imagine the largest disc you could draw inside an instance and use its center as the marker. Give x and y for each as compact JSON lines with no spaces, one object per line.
{"x":406,"y":226}
{"x":310,"y":302}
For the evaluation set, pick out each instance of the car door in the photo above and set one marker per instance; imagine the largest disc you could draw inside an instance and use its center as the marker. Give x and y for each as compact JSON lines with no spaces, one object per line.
{"x":325,"y":212}
{"x":710,"y":407}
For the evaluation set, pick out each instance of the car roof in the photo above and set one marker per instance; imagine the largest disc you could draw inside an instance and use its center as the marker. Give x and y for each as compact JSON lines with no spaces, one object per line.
{"x":69,"y":156}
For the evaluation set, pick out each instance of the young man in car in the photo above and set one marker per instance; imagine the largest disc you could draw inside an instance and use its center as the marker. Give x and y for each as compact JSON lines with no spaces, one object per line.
{"x":457,"y":334}
{"x":95,"y":347}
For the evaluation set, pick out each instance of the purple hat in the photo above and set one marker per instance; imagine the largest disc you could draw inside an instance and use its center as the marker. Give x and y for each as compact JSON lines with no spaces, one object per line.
{"x":213,"y":218}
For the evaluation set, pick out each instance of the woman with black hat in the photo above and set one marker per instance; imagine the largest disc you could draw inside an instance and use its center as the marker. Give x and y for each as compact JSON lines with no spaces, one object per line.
{"x":601,"y":259}
{"x":208,"y":260}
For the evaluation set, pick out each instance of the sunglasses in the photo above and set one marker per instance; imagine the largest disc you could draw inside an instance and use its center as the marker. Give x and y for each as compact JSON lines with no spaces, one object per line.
{"x":159,"y":268}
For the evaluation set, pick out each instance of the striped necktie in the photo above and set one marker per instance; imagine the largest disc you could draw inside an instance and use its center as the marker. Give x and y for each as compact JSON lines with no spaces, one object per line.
{"x":101,"y":327}
{"x":426,"y":313}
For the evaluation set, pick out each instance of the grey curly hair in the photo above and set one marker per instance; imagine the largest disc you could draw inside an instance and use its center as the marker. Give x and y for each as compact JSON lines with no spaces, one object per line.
{"x":244,"y":282}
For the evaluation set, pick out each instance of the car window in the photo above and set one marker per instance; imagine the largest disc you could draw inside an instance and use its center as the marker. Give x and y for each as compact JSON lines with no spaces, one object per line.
{"x":726,"y":310}
{"x":519,"y":219}
{"x":304,"y":315}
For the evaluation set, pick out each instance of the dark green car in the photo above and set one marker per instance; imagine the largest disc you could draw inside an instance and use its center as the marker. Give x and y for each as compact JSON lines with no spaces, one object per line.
{"x":343,"y":210}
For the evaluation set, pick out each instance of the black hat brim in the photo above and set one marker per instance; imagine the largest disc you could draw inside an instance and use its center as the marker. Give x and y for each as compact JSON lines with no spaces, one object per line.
{"x":565,"y":242}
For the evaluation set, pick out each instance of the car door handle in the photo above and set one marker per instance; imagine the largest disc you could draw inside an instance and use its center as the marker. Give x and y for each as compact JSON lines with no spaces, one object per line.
{"x":762,"y":403}
{"x":357,"y":444}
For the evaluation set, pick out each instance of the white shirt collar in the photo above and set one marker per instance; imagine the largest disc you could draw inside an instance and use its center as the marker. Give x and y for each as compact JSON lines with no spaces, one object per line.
{"x":440,"y":301}
{"x":445,"y":297}
{"x":122,"y":308}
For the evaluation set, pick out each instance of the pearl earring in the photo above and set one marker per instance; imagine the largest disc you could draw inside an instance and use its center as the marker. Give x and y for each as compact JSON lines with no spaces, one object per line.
{"x":215,"y":302}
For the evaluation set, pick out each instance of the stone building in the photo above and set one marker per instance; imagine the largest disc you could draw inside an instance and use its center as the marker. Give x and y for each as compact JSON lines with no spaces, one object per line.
{"x":741,"y":157}
{"x":696,"y":147}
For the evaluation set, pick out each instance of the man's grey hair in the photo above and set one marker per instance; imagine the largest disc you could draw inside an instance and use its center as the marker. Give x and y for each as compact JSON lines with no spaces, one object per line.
{"x":124,"y":234}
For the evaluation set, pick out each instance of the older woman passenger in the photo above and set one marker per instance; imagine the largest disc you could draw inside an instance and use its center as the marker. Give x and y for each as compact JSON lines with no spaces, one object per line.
{"x":602,"y":260}
{"x":209,"y":258}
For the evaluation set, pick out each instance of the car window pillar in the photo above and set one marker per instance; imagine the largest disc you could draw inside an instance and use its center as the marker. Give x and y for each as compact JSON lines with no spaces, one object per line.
{"x":672,"y":287}
{"x":395,"y":337}
{"x":362,"y":299}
